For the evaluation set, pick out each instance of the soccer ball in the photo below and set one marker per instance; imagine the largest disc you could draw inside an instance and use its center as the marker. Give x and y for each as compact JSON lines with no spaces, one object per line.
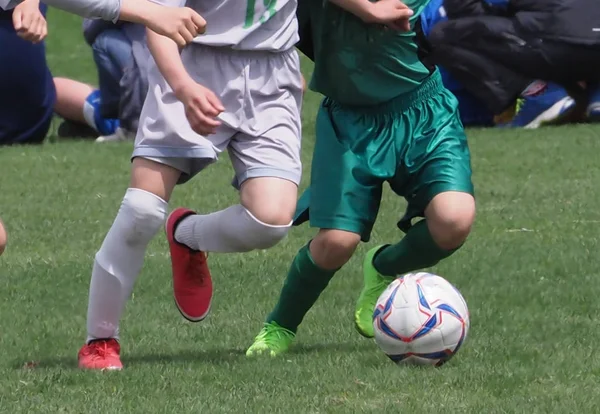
{"x":420,"y":319}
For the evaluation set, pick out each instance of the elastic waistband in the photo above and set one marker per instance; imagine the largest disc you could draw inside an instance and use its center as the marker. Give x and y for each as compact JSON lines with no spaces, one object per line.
{"x":431,"y":86}
{"x":197,"y":47}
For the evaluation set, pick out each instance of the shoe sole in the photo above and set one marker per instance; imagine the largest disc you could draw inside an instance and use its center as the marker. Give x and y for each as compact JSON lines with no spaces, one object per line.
{"x":101,"y":369}
{"x":185,"y":315}
{"x":554,"y":114}
{"x":361,"y":332}
{"x":191,"y":318}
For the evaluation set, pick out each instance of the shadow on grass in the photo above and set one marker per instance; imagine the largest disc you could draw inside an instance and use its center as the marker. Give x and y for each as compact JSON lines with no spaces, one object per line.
{"x":347,"y":347}
{"x":214,"y":356}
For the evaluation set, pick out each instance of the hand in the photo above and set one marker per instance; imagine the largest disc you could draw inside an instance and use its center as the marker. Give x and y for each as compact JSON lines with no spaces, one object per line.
{"x":201,"y":107}
{"x":181,"y":24}
{"x":392,"y":13}
{"x":29,"y":22}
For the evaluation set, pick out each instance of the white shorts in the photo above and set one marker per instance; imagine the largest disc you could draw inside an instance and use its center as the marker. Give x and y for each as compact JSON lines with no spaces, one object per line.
{"x":260,"y":127}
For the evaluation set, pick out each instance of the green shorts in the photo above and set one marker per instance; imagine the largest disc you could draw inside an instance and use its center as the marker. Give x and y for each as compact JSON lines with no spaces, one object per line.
{"x":416,"y":143}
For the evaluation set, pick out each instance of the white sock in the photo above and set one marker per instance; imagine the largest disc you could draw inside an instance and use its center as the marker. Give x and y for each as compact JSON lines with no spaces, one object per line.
{"x":231,"y":230}
{"x":120,"y":259}
{"x":89,"y":112}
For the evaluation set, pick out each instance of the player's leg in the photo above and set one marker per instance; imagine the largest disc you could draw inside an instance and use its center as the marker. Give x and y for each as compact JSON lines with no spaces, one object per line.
{"x":312,"y":269}
{"x":498,"y":63}
{"x":79,"y":103}
{"x":260,"y":221}
{"x":112,"y":51}
{"x":142,"y":213}
{"x":265,"y":155}
{"x":438,"y":186}
{"x":344,"y":209}
{"x":118,"y":262}
{"x":264,"y":106}
{"x":448,"y":219}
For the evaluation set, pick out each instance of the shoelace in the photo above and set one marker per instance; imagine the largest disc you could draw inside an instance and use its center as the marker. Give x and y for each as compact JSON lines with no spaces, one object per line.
{"x":197,"y":261}
{"x":101,"y":350}
{"x":272,"y":334}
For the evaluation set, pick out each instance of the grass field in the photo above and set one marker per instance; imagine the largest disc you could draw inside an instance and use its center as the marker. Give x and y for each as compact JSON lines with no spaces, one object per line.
{"x":529,"y":273}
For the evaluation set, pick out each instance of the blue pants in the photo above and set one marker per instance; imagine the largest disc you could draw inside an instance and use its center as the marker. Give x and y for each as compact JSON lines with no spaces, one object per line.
{"x":112,"y":53}
{"x":27,"y":93}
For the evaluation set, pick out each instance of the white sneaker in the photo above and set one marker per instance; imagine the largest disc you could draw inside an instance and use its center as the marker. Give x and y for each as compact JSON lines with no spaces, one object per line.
{"x":119,"y":135}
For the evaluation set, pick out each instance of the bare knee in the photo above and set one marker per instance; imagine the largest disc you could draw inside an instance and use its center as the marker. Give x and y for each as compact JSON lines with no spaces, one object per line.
{"x":154,"y":177}
{"x":450,"y":216}
{"x":270,"y":200}
{"x":3,"y":237}
{"x":331,"y":249}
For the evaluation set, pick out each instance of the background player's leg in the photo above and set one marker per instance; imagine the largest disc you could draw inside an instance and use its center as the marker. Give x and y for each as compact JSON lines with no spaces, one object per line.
{"x":120,"y":258}
{"x":462,"y":47}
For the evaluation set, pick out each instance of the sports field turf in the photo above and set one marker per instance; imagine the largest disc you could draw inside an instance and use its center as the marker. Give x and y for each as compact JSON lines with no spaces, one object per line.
{"x":529,"y":272}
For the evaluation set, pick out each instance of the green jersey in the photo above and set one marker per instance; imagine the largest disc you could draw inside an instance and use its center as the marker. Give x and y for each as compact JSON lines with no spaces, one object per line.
{"x":358,"y":63}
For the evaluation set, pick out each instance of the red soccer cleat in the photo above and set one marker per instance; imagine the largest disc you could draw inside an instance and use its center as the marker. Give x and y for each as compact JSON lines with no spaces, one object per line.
{"x":102,"y":354}
{"x":192,"y":284}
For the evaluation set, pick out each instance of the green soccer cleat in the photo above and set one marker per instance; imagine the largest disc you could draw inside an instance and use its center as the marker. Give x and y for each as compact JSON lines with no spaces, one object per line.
{"x":374,"y":285}
{"x":271,"y":340}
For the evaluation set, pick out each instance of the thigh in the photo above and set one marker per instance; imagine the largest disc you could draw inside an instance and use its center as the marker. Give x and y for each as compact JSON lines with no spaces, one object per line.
{"x":269,"y":139}
{"x":502,"y":41}
{"x":584,"y":62}
{"x":154,"y":176}
{"x":437,"y":159}
{"x":493,"y":37}
{"x":112,"y":53}
{"x":480,"y":53}
{"x":165,"y":133}
{"x":276,"y":153}
{"x":343,"y":193}
{"x":114,"y":46}
{"x":478,"y":33}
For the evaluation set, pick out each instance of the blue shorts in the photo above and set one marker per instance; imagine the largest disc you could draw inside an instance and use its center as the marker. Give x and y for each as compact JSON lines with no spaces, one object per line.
{"x":27,"y":93}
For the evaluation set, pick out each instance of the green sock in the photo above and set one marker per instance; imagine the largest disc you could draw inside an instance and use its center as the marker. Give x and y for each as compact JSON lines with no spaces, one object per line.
{"x":303,"y":286}
{"x":417,"y":250}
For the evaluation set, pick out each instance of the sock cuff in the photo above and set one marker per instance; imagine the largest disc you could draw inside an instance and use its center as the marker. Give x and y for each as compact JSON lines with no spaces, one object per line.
{"x":306,"y":251}
{"x":273,"y":226}
{"x":427,"y":242}
{"x":144,"y":196}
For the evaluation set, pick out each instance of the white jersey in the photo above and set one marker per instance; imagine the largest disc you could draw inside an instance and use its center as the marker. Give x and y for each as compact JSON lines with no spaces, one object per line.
{"x":103,"y":9}
{"x":269,"y":25}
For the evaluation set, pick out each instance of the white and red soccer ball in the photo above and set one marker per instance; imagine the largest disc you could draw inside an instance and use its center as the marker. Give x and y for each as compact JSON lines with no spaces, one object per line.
{"x":421,"y":319}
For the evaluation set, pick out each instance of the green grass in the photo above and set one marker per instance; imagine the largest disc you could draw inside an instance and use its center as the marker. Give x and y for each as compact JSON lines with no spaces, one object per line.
{"x":529,"y":273}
